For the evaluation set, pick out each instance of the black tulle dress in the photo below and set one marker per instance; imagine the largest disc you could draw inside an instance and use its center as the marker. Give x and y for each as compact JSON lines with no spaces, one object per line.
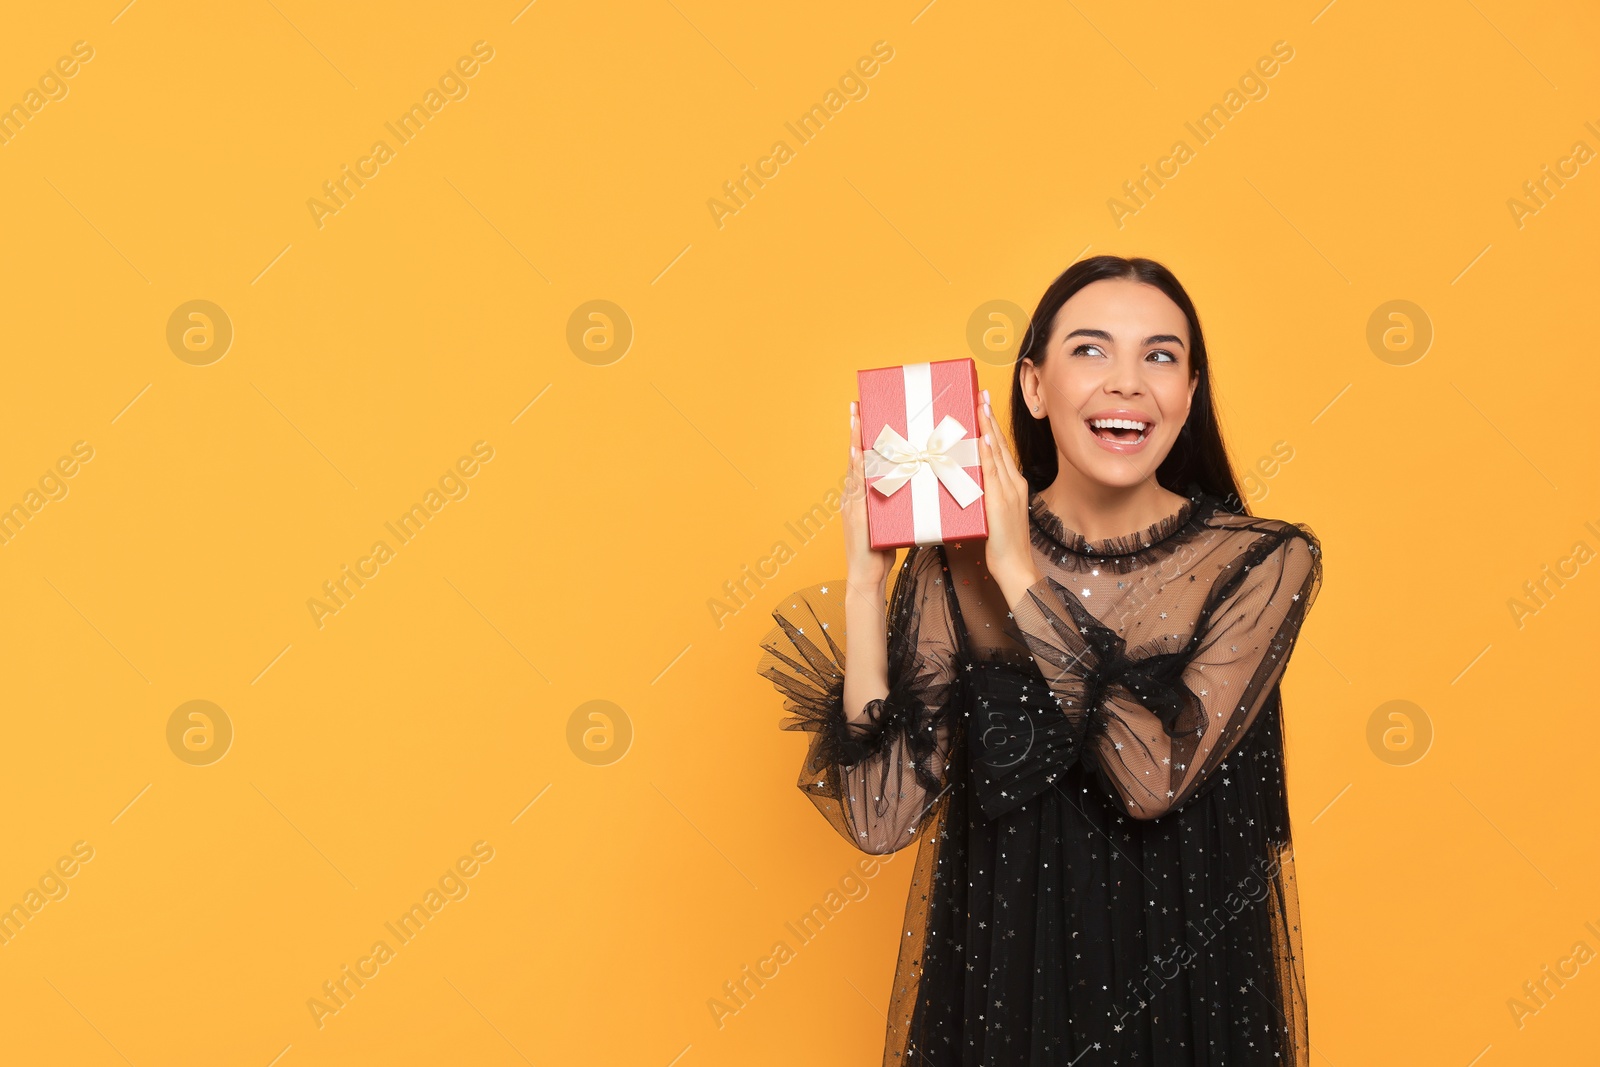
{"x":1105,"y":873}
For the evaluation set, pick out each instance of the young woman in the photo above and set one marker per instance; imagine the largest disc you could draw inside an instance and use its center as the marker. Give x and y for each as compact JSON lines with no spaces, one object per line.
{"x":1079,"y":718}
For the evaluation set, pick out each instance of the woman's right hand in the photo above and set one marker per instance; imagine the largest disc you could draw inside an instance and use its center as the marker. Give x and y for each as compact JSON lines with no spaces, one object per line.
{"x":864,"y":565}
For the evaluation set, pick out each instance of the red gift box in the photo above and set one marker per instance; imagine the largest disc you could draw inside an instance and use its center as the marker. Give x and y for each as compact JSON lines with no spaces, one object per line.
{"x":919,"y":440}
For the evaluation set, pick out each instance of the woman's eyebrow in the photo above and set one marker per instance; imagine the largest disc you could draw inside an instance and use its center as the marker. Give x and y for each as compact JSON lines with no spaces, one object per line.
{"x":1154,"y":339}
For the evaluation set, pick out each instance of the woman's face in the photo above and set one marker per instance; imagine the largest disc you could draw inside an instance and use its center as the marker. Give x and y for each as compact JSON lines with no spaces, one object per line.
{"x":1118,"y":349}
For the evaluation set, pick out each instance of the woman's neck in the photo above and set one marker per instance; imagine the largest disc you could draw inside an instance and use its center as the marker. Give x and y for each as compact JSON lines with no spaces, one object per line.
{"x":1099,"y":511}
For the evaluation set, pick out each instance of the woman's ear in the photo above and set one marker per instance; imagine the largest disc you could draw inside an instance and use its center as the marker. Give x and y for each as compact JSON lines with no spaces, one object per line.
{"x":1028,"y":378}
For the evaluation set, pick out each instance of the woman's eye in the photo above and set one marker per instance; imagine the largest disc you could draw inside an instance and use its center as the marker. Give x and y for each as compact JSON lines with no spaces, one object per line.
{"x":1093,"y":349}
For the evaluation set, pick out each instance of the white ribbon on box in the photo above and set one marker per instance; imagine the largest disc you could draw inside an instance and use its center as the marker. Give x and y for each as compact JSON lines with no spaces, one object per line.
{"x":933,"y":455}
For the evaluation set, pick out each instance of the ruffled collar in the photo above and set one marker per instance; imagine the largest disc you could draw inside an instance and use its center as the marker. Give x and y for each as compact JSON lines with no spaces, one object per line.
{"x":1053,"y":536}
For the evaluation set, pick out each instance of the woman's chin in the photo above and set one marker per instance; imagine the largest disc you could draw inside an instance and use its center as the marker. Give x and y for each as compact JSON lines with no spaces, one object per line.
{"x":1116,"y":472}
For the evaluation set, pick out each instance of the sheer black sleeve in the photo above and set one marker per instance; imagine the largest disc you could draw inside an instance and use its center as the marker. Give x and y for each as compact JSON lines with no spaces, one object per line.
{"x":1158,"y":726}
{"x":874,"y":781}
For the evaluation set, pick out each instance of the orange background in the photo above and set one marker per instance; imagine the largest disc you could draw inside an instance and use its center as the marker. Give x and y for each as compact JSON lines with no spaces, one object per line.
{"x":638,"y":469}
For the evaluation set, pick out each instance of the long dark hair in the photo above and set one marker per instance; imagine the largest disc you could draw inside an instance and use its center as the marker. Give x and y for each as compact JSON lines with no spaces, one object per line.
{"x":1198,"y":458}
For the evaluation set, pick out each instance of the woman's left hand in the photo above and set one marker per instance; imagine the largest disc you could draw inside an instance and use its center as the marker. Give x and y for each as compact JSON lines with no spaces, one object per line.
{"x":1009,"y":549}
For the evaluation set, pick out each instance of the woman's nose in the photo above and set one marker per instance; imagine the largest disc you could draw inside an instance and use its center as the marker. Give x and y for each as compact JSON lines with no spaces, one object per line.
{"x":1125,"y":377}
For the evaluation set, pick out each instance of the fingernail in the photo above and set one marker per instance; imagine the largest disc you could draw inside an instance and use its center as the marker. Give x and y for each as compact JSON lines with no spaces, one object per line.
{"x":986,"y":440}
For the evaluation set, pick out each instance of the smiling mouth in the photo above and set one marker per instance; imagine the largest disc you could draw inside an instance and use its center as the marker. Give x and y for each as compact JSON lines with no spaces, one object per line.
{"x":1122,"y":431}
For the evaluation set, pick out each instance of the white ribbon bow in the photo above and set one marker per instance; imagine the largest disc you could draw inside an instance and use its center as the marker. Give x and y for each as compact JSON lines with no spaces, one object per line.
{"x":893,"y":460}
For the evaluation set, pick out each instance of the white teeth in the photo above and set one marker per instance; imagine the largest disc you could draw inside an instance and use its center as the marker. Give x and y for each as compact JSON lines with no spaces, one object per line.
{"x":1118,"y":424}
